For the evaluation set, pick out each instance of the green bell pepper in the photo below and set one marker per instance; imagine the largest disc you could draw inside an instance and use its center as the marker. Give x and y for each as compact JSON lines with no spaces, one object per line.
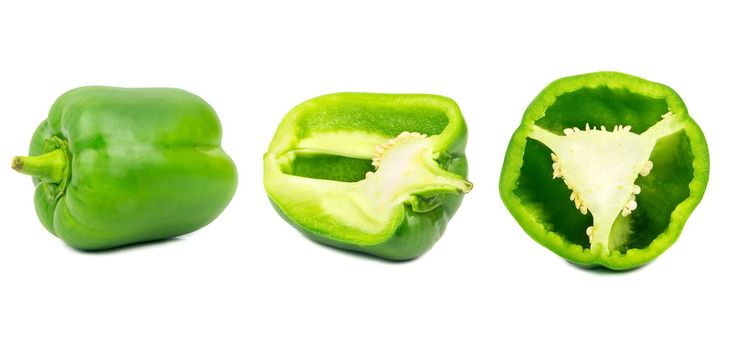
{"x":115,"y":166}
{"x":624,"y":151}
{"x":376,"y":173}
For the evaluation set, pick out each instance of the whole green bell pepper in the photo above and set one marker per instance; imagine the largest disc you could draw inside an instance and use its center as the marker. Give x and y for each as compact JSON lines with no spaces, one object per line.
{"x":115,"y":166}
{"x":376,"y":173}
{"x":605,"y":168}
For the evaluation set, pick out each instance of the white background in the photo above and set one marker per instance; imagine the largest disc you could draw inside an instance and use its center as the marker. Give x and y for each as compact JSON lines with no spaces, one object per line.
{"x":250,"y":281}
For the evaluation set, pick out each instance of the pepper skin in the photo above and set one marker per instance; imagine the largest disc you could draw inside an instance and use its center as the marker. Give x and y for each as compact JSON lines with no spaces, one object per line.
{"x":376,"y":173}
{"x":115,"y":166}
{"x":605,"y":169}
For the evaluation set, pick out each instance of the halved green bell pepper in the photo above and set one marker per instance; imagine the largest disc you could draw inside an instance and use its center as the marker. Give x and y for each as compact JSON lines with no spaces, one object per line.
{"x":114,"y":166}
{"x":605,"y":168}
{"x":376,"y":173}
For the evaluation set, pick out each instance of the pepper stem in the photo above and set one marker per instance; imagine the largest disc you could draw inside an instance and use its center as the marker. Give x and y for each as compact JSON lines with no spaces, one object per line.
{"x":443,"y":181}
{"x":49,"y":167}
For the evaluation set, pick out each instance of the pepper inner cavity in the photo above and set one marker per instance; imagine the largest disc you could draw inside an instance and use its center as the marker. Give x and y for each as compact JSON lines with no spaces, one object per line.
{"x":329,"y":167}
{"x":600,"y":167}
{"x":405,"y":173}
{"x":402,"y":170}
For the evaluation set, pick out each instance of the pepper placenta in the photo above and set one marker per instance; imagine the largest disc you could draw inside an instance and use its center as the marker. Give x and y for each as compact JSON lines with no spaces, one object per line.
{"x":376,"y":173}
{"x":605,"y":169}
{"x":115,"y":166}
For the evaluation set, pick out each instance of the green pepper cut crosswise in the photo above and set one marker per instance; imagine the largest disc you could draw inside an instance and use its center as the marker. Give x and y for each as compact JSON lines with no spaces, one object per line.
{"x":605,"y":169}
{"x":115,"y":166}
{"x":376,"y":173}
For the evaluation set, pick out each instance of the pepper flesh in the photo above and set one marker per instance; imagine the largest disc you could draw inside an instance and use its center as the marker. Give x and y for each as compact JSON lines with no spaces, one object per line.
{"x":115,"y":166}
{"x":601,"y":132}
{"x":376,"y":173}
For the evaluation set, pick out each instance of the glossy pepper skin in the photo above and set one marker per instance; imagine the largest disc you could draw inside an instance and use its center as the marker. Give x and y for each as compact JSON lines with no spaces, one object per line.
{"x":115,"y":166}
{"x":617,"y":192}
{"x":376,"y":173}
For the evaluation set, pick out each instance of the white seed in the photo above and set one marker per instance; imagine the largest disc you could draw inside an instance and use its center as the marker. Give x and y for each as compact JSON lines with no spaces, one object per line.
{"x":628,"y":128}
{"x":636,"y":189}
{"x":556,"y":174}
{"x":573,"y":196}
{"x":369,"y":174}
{"x":646,"y":168}
{"x":632,"y":205}
{"x":568,"y":131}
{"x":554,"y":157}
{"x":577,"y":203}
{"x":556,"y":166}
{"x":587,"y":126}
{"x":603,"y":128}
{"x":590,"y":232}
{"x":575,"y":129}
{"x":583,"y":210}
{"x":626,"y":212}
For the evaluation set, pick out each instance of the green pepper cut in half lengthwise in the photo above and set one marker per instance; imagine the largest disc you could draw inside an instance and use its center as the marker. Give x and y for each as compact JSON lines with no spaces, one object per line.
{"x":604,"y":169}
{"x":376,"y":173}
{"x":115,"y":166}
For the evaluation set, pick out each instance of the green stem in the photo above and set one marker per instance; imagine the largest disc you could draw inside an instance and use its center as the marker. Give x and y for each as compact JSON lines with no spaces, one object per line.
{"x":49,"y":167}
{"x":447,"y":181}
